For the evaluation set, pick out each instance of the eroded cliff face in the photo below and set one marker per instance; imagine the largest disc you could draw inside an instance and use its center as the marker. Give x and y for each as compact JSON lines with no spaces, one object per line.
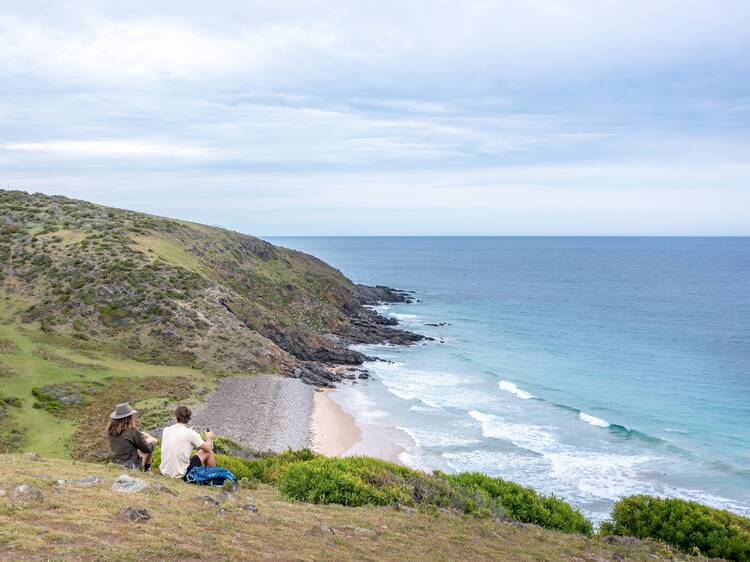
{"x":171,"y":292}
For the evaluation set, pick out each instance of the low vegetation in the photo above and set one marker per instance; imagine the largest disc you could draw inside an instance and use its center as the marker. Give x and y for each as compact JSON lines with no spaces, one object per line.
{"x":66,"y":519}
{"x":359,"y":481}
{"x":687,"y":525}
{"x":524,"y":504}
{"x":363,"y":481}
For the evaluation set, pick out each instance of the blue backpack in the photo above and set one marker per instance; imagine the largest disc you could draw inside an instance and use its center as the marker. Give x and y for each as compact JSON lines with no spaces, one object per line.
{"x":210,"y":476}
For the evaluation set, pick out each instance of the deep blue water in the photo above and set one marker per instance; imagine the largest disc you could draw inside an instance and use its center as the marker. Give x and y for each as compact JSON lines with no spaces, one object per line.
{"x":591,"y":368}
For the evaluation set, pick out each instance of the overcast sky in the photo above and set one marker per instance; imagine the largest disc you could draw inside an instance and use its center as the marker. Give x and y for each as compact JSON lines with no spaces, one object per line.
{"x":315,"y":118}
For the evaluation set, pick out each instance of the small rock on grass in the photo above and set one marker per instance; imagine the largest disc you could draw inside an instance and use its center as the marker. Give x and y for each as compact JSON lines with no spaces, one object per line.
{"x":2,"y":493}
{"x":251,"y":507}
{"x":29,"y":492}
{"x":136,"y":513}
{"x":34,"y":457}
{"x":125,"y":483}
{"x":161,"y":488}
{"x":88,"y":481}
{"x":210,"y":500}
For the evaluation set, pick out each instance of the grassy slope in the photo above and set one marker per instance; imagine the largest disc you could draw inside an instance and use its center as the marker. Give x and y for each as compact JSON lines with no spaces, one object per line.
{"x":80,"y":522}
{"x":131,"y":301}
{"x":36,"y":364}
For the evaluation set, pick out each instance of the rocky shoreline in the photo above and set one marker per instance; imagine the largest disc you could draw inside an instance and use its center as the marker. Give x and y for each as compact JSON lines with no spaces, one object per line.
{"x":331,"y":360}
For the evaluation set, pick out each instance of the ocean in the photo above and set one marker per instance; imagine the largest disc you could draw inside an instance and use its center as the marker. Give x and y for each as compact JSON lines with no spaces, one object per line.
{"x":588,"y":368}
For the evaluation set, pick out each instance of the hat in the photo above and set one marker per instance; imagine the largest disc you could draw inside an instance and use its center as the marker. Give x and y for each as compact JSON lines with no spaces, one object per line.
{"x":122,"y":411}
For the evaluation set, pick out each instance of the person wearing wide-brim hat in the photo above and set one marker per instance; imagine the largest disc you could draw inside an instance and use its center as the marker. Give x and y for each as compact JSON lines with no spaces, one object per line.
{"x":128,"y":446}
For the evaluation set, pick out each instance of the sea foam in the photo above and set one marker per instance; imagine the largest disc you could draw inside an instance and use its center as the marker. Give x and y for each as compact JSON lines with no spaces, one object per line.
{"x":593,"y":420}
{"x":513,"y":389}
{"x":525,"y":436}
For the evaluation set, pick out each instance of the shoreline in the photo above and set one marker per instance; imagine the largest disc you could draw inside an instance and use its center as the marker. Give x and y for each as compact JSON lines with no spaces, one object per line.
{"x":337,"y":432}
{"x":334,"y":432}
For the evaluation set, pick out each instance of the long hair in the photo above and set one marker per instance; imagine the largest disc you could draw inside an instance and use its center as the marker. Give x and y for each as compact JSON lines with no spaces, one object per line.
{"x":116,"y":427}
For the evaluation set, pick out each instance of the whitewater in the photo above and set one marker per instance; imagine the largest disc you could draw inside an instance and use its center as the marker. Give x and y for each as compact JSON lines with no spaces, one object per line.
{"x":588,"y":368}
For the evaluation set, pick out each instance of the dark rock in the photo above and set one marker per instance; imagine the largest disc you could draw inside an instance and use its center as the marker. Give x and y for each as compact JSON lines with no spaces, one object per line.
{"x":316,"y":375}
{"x":136,"y":514}
{"x":363,"y":375}
{"x":252,"y":508}
{"x":380,"y":294}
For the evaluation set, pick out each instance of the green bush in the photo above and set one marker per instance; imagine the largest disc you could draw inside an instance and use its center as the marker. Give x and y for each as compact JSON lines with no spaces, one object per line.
{"x":524,"y":504}
{"x":686,"y":525}
{"x":364,"y":480}
{"x":354,"y":481}
{"x":267,"y":469}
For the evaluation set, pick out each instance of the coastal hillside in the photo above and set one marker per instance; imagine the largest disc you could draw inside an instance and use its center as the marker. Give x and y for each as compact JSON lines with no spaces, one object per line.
{"x":103,"y":304}
{"x":70,"y":509}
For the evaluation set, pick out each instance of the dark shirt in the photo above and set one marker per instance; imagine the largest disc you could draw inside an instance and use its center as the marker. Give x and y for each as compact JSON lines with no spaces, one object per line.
{"x":124,"y":448}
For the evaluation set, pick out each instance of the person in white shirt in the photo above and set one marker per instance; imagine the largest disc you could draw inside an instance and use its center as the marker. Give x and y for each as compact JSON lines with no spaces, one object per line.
{"x":177,"y":442}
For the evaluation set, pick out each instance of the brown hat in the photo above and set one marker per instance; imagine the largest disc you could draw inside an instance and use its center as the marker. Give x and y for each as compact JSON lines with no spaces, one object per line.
{"x":122,"y":411}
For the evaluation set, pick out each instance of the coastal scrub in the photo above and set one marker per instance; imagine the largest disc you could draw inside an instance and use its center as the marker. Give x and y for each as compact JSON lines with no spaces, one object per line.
{"x":687,"y":525}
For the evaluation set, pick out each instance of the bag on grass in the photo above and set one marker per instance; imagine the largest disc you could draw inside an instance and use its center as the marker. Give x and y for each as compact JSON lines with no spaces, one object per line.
{"x":210,"y":476}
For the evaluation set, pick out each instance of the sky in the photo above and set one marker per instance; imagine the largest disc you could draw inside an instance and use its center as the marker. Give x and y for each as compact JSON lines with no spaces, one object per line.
{"x":517,"y":117}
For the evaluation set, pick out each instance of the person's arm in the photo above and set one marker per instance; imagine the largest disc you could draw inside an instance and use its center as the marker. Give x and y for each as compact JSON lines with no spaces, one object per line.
{"x":208,"y":444}
{"x":141,"y":443}
{"x":201,"y":445}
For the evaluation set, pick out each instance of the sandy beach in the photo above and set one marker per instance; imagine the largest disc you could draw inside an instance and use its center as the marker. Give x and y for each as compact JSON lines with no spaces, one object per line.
{"x":334,"y":431}
{"x":275,"y":413}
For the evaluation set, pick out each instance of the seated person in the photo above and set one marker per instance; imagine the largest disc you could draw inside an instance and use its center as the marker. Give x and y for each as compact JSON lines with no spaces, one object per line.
{"x":177,"y":442}
{"x":128,"y":446}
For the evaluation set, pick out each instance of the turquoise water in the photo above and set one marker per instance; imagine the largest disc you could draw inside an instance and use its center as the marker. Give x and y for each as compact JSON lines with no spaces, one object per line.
{"x":591,"y":368}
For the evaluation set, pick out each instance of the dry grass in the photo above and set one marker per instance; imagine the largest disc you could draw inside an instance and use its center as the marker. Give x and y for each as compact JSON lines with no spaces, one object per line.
{"x":84,"y":523}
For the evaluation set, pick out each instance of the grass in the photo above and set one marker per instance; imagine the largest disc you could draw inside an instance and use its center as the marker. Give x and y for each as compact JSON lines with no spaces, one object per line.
{"x":36,"y":365}
{"x":84,"y":523}
{"x":160,"y":248}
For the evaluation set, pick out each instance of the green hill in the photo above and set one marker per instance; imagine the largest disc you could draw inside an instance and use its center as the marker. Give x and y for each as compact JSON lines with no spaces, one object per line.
{"x":102,"y":304}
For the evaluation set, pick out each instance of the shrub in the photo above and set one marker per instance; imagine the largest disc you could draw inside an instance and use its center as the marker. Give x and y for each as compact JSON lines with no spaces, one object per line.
{"x":524,"y":504}
{"x":267,"y":469}
{"x":341,"y":481}
{"x":686,"y":525}
{"x":364,"y":480}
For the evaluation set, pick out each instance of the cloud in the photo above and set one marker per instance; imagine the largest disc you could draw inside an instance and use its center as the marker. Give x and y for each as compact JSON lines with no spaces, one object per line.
{"x":372,"y":107}
{"x":108,"y":149}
